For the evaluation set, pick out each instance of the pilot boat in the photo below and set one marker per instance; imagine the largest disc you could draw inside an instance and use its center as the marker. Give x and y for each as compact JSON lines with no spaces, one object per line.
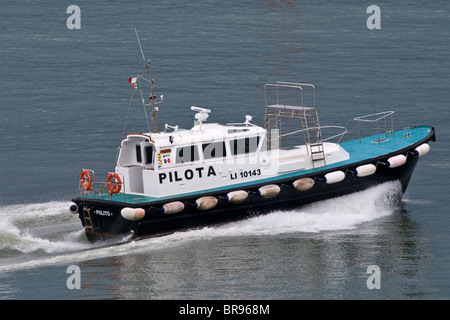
{"x":180,"y":179}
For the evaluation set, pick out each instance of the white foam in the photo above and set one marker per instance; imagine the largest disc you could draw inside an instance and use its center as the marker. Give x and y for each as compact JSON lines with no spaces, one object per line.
{"x":22,"y":227}
{"x":343,"y":213}
{"x":36,"y":214}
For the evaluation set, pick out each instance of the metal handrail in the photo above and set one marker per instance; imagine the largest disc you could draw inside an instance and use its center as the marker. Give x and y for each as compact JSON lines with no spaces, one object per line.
{"x":379,"y":116}
{"x":290,"y":85}
{"x":100,"y":190}
{"x":384,"y":115}
{"x":322,"y":127}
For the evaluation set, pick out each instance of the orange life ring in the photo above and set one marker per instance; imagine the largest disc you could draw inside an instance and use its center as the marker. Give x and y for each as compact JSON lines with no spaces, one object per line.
{"x":86,"y":179}
{"x":114,"y":188}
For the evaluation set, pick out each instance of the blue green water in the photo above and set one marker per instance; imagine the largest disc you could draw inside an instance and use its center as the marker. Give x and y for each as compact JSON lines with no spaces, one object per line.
{"x":64,"y":96}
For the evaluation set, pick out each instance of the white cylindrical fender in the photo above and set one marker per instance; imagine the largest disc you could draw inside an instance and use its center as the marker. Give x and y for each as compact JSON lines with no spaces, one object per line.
{"x":173,"y":207}
{"x":422,"y":150}
{"x":303,"y":184}
{"x":237,"y":196}
{"x":206,"y":203}
{"x":73,"y":208}
{"x":365,"y":170}
{"x":269,"y":191}
{"x":333,"y":177}
{"x":396,"y":161}
{"x":132,"y":214}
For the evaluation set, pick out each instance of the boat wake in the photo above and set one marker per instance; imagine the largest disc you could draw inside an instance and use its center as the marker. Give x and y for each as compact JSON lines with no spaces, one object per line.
{"x":36,"y":235}
{"x":37,"y":228}
{"x":343,"y":213}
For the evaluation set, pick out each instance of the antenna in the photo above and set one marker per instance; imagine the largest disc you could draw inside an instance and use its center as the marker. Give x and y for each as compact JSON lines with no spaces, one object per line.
{"x":152,"y":98}
{"x":139,"y":41}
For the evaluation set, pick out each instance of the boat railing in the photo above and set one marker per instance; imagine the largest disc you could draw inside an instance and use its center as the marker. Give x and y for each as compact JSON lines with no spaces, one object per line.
{"x":290,"y":105}
{"x":297,"y":94}
{"x":100,"y":189}
{"x":377,"y":117}
{"x":339,"y":135}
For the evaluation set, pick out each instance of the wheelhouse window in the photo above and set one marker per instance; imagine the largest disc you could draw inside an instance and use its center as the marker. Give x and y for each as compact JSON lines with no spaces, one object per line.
{"x":214,"y":150}
{"x":148,"y":154}
{"x":138,"y":153}
{"x":244,"y":145}
{"x":187,"y":154}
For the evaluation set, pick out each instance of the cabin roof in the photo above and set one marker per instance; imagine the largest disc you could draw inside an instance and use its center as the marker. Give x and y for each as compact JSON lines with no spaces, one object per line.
{"x":208,"y":132}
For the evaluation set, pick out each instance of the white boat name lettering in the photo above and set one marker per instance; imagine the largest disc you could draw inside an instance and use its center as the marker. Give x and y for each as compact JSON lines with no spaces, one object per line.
{"x":173,"y":176}
{"x":103,"y":213}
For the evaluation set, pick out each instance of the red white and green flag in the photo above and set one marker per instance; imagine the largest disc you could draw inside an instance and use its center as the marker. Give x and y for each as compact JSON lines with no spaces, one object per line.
{"x":135,"y":86}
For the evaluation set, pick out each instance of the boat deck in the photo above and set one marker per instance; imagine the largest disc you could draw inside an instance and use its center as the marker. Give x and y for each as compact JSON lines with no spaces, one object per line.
{"x":371,"y":148}
{"x":359,"y":150}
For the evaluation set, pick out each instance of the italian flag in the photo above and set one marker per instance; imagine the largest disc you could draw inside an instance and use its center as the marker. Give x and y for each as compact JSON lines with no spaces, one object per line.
{"x":132,"y":80}
{"x":135,"y":86}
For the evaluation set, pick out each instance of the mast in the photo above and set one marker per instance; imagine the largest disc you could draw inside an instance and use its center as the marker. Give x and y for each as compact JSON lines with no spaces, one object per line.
{"x":152,"y":97}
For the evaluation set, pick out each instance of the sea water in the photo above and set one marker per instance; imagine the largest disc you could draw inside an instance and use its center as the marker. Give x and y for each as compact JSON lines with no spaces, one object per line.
{"x":64,"y":97}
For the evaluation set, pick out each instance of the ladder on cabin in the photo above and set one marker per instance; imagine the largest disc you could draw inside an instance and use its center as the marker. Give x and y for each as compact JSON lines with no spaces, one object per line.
{"x":311,"y":125}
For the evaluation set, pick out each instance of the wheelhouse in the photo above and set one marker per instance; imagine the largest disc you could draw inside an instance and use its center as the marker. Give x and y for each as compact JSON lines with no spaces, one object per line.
{"x":144,"y":158}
